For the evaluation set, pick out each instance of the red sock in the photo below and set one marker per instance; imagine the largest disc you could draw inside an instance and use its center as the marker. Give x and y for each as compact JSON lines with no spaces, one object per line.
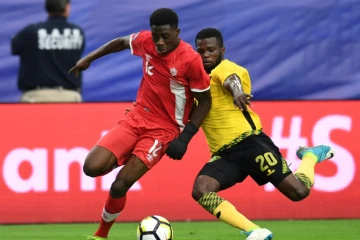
{"x":112,"y":209}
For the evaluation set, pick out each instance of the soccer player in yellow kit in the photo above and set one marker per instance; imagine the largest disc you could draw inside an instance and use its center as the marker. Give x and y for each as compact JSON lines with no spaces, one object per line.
{"x":238,"y":145}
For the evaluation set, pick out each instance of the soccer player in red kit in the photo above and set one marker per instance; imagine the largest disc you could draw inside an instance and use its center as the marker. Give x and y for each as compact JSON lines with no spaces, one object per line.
{"x":173,"y":75}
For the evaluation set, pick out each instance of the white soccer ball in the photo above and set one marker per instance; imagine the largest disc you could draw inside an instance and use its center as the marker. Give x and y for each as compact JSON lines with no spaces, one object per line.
{"x":154,"y":228}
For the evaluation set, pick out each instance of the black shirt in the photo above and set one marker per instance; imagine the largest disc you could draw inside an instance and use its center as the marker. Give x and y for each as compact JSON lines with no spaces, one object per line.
{"x":48,"y":50}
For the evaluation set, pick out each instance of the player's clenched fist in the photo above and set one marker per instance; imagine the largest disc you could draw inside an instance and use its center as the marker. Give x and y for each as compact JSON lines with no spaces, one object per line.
{"x":81,"y":65}
{"x":178,"y":146}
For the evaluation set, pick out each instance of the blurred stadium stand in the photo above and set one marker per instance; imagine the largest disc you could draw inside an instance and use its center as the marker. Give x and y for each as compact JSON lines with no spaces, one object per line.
{"x":308,"y":49}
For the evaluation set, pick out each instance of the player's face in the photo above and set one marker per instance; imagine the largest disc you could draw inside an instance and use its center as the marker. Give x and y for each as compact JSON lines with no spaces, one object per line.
{"x":165,"y":37}
{"x":210,"y":51}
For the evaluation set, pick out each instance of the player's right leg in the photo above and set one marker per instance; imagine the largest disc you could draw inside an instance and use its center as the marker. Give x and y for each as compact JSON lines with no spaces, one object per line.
{"x":220,"y":175}
{"x":110,"y":151}
{"x":297,"y":186}
{"x":133,"y":170}
{"x":147,"y":151}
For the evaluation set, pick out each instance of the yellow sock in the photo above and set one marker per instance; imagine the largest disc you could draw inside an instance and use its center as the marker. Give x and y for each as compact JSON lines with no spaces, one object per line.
{"x":306,"y":171}
{"x":226,"y":212}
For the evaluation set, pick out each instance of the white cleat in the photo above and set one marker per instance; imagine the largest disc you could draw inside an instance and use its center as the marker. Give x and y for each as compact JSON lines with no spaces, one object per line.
{"x":259,"y":234}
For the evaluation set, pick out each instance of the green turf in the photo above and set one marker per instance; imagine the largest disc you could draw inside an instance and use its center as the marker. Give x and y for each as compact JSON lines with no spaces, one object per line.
{"x":283,"y":230}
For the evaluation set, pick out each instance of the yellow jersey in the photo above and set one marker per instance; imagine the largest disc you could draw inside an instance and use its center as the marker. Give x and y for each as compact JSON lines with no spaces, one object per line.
{"x":226,"y":125}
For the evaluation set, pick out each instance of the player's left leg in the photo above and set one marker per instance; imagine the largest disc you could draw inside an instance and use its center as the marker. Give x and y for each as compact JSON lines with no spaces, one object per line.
{"x":297,"y":186}
{"x":147,"y":152}
{"x":213,"y":177}
{"x":132,"y":171}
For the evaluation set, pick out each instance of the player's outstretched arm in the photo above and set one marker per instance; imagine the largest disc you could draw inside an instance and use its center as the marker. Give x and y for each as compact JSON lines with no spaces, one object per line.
{"x":233,"y":85}
{"x":115,"y":45}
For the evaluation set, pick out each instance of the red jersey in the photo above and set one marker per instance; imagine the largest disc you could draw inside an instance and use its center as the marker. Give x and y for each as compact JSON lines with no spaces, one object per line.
{"x":168,"y":80}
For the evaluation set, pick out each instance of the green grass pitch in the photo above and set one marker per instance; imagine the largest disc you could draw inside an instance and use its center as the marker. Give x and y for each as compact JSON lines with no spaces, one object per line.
{"x":283,"y":230}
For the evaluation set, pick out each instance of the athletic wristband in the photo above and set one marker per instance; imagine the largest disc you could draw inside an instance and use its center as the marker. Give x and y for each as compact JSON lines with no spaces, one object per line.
{"x":189,"y":131}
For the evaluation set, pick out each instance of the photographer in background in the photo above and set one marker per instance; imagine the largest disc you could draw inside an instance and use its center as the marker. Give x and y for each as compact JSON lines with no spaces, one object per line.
{"x":47,"y":51}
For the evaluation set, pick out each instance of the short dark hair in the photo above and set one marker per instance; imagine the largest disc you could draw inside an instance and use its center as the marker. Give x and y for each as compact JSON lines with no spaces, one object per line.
{"x":164,"y":16}
{"x":56,"y":6}
{"x":209,"y":33}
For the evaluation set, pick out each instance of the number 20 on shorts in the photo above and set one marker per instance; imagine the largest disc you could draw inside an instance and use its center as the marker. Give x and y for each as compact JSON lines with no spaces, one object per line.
{"x":266,"y":160}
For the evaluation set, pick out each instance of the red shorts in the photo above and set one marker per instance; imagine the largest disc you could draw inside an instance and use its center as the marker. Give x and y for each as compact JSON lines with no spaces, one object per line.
{"x":140,"y":134}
